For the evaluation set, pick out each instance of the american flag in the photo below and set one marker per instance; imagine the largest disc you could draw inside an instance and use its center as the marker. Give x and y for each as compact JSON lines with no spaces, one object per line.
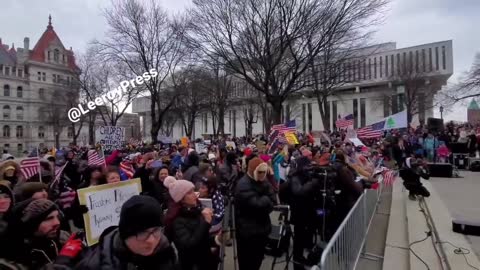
{"x":389,"y":177}
{"x":345,"y":122}
{"x":94,"y":159}
{"x":278,"y":131}
{"x":30,"y":166}
{"x":127,"y":168}
{"x":59,"y":171}
{"x":371,"y":131}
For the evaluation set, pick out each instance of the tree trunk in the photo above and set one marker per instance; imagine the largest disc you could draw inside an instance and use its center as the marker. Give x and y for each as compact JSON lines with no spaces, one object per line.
{"x":221,"y":122}
{"x":276,"y":103}
{"x":324,"y":114}
{"x":91,"y":129}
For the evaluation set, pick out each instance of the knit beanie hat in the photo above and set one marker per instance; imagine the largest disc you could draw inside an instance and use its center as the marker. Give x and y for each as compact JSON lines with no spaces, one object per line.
{"x":26,"y":190}
{"x":36,"y":212}
{"x":178,"y":188}
{"x":138,"y":214}
{"x":254,"y":165}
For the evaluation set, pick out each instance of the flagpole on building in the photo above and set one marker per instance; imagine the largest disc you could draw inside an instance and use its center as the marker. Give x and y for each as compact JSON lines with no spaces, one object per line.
{"x":39,"y":167}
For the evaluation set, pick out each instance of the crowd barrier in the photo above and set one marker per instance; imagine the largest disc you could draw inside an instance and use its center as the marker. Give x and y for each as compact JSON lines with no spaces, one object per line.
{"x":346,"y":245}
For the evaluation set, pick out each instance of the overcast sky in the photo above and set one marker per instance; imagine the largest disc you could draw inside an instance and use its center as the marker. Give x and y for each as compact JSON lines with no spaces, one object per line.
{"x":408,"y":23}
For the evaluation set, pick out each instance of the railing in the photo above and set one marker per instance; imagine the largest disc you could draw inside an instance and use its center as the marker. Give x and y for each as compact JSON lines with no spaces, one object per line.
{"x":346,"y":245}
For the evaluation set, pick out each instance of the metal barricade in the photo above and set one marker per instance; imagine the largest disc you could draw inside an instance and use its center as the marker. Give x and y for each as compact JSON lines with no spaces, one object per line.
{"x":345,"y":247}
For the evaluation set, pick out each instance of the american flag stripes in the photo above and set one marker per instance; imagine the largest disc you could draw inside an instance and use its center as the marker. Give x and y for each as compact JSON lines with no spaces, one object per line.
{"x":371,"y":131}
{"x":30,"y":166}
{"x":94,"y":159}
{"x":345,"y":122}
{"x":278,"y":131}
{"x":389,"y":177}
{"x":58,"y":172}
{"x":127,"y":168}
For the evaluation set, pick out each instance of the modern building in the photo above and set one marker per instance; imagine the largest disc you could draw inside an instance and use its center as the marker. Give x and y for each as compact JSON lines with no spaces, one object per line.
{"x":373,"y":86}
{"x":35,"y":85}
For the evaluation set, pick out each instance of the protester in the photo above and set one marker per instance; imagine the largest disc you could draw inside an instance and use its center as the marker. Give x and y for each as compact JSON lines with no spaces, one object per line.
{"x":411,"y":174}
{"x":112,"y":175}
{"x":10,"y":171}
{"x":208,"y":188}
{"x":254,"y":201}
{"x":29,"y":190}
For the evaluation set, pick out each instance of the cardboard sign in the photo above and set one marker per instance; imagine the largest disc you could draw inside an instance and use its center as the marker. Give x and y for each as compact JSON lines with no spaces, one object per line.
{"x":200,"y":148}
{"x":104,"y":203}
{"x":110,"y":137}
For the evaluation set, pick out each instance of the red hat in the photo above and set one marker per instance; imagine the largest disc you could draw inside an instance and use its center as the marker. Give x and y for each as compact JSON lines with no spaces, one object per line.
{"x":247,"y":151}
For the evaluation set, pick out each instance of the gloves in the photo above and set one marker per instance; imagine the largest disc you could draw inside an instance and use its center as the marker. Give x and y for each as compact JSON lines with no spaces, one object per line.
{"x":72,"y":247}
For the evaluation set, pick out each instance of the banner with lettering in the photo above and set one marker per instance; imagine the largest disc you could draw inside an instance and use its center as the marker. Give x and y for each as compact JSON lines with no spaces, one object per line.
{"x":110,"y":137}
{"x":104,"y":203}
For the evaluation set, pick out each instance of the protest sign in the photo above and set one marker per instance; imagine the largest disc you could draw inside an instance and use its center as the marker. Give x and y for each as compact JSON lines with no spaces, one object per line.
{"x":396,"y":121}
{"x":104,"y":203}
{"x":200,"y":148}
{"x":291,"y":138}
{"x":184,"y":141}
{"x":110,"y":137}
{"x":165,"y":139}
{"x":231,"y":144}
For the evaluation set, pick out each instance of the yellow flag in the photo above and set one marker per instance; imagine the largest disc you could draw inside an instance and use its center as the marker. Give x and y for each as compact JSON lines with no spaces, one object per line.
{"x":291,"y":138}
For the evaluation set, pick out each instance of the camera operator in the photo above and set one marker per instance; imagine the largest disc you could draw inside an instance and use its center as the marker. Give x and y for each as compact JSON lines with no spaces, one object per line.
{"x":411,"y":173}
{"x":302,"y":191}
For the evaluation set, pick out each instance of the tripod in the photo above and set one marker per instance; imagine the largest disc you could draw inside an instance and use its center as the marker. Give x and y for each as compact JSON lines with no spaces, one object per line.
{"x":228,"y":232}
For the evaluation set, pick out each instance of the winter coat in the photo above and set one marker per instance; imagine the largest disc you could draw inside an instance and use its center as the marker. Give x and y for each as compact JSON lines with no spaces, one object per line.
{"x":303,"y":191}
{"x":17,"y":177}
{"x":160,"y":193}
{"x":411,"y":177}
{"x":191,"y":174}
{"x":345,"y":181}
{"x":144,"y":174}
{"x":112,"y":254}
{"x":192,"y":240}
{"x":254,"y":201}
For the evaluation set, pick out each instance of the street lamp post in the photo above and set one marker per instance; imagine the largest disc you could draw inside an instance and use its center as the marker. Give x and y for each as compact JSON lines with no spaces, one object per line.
{"x":441,"y":112}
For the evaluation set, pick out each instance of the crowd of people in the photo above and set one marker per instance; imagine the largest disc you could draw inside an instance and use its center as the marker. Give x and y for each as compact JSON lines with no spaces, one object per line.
{"x":167,"y":227}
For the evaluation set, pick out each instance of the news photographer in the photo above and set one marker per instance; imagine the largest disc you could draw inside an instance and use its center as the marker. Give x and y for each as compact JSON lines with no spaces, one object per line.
{"x":411,"y":173}
{"x":254,"y":201}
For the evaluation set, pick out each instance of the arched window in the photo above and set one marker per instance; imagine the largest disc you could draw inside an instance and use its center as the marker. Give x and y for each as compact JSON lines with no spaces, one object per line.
{"x":56,"y":55}
{"x":6,"y":90}
{"x":19,"y":92}
{"x":19,"y":131}
{"x":6,"y":112}
{"x":19,"y":112}
{"x":41,"y":93}
{"x":6,"y":131}
{"x":41,"y":132}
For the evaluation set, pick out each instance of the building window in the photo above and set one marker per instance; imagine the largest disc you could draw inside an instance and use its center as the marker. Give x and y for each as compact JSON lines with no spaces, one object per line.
{"x":205,"y":123}
{"x":56,"y":54}
{"x":41,"y":132}
{"x":44,"y":76}
{"x":416,"y":61}
{"x":386,"y":66}
{"x":424,"y":61}
{"x":369,"y":69}
{"x":6,"y":90}
{"x":334,"y":113}
{"x":41,"y":93}
{"x":363,"y":111}
{"x":364,"y":69}
{"x":20,"y":73}
{"x":39,"y":76}
{"x":6,"y":146}
{"x":444,"y":58}
{"x":54,"y":78}
{"x":49,"y":57}
{"x":6,"y":112}
{"x":359,"y":67}
{"x":398,"y":65}
{"x":430,"y":60}
{"x":19,"y":132}
{"x":6,"y":131}
{"x":304,"y":118}
{"x":381,"y":66}
{"x":310,"y":122}
{"x":63,"y":58}
{"x":7,"y":71}
{"x":355,"y":113}
{"x":19,"y":148}
{"x":14,"y":69}
{"x":19,"y":113}
{"x":70,"y":132}
{"x":19,"y":92}
{"x":375,"y":68}
{"x":404,"y":64}
{"x":386,"y":106}
{"x":392,"y":65}
{"x":437,"y":58}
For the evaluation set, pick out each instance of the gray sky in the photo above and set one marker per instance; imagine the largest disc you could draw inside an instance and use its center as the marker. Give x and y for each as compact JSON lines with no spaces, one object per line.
{"x":408,"y":22}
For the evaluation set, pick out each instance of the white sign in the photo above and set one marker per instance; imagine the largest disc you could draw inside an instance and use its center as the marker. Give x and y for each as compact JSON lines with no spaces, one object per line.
{"x":110,"y":137}
{"x":200,"y":148}
{"x":104,"y":203}
{"x":232,"y":144}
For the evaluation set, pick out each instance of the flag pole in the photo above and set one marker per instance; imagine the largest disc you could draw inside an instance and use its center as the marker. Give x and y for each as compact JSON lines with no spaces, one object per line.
{"x":39,"y":167}
{"x":103,"y":153}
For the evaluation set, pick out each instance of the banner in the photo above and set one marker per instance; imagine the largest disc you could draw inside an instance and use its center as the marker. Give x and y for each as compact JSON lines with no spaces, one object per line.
{"x":110,"y":137}
{"x":104,"y":203}
{"x":396,"y":121}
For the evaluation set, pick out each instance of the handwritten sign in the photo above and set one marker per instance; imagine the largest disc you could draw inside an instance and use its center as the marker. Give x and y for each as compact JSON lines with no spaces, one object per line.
{"x":104,"y":203}
{"x":110,"y":137}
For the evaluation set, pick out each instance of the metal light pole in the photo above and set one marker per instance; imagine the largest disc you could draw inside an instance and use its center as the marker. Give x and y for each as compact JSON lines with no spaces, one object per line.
{"x":441,"y":112}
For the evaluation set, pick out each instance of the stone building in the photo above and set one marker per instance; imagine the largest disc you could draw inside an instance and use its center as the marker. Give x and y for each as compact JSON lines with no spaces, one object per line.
{"x":373,"y":87}
{"x":473,"y":113}
{"x":36,"y":87}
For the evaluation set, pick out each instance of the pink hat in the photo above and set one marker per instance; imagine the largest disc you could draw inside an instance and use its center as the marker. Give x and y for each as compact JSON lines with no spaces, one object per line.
{"x":177,"y":188}
{"x":265,"y":158}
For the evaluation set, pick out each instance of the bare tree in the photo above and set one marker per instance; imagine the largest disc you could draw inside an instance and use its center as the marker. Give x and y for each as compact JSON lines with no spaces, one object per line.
{"x":250,"y":116}
{"x":143,"y":37}
{"x":270,"y":44}
{"x":469,"y":84}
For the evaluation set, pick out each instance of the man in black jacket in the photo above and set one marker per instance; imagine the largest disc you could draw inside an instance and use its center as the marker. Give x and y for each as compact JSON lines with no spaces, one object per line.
{"x":254,"y":201}
{"x":138,"y":242}
{"x":411,"y":173}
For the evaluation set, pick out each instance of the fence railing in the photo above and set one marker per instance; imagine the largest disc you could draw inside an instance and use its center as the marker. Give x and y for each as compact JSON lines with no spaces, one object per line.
{"x":346,"y":245}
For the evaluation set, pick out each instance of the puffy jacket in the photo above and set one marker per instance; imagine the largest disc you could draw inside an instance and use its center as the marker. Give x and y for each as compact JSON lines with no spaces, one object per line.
{"x":112,"y":254}
{"x":192,"y":240}
{"x":411,"y":177}
{"x":254,"y":201}
{"x":303,"y":191}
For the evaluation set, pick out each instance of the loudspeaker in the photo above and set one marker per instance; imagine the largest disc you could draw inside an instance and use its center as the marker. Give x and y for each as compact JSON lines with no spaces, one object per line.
{"x":464,"y":226}
{"x":435,"y":124}
{"x":459,"y":148}
{"x":440,"y":169}
{"x":460,"y":161}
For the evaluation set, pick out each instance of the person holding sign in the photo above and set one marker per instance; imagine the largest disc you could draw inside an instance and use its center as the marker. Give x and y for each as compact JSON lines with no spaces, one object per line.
{"x":188,"y":225}
{"x":137,"y":243}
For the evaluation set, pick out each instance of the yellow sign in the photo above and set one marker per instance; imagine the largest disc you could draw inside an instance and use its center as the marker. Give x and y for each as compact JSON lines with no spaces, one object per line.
{"x":291,"y":138}
{"x":184,"y":141}
{"x":104,"y":203}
